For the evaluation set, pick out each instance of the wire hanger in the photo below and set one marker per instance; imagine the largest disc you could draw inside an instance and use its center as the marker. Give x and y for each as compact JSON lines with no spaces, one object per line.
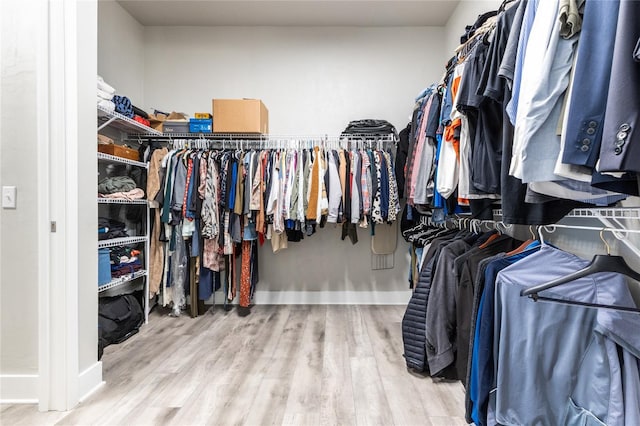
{"x":541,"y":237}
{"x":600,"y":263}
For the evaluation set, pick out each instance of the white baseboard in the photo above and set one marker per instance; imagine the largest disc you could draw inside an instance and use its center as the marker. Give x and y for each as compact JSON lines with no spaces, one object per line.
{"x":90,"y":380}
{"x":18,"y":388}
{"x":327,"y":297}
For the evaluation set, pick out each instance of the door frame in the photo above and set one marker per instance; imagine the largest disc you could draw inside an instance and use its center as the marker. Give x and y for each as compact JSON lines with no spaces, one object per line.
{"x":59,"y":376}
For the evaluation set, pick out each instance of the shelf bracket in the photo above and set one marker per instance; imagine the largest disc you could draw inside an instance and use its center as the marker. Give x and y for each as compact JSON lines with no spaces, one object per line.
{"x":606,"y":222}
{"x":106,"y":123}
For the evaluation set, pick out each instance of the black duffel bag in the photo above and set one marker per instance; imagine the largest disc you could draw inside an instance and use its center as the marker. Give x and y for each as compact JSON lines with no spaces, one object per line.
{"x":370,"y":127}
{"x":119,"y":318}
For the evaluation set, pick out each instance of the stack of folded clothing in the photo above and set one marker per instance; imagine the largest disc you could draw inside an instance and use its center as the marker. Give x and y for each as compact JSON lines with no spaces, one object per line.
{"x":105,"y":95}
{"x":124,"y":261}
{"x":141,"y":116}
{"x":120,"y":187}
{"x":126,"y":268}
{"x":110,"y":228}
{"x":123,"y":106}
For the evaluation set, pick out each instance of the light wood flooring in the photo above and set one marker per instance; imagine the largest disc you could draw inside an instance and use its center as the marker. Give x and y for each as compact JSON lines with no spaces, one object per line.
{"x":294,"y":365}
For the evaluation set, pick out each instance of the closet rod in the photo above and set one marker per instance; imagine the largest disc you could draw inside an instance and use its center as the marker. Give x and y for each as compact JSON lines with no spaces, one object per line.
{"x":232,"y":137}
{"x":300,"y":143}
{"x":609,"y":217}
{"x":619,"y":233}
{"x":631,"y":213}
{"x":551,"y":228}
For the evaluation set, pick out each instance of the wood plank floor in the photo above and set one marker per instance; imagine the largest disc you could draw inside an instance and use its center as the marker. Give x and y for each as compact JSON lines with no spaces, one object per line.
{"x":293,"y":365}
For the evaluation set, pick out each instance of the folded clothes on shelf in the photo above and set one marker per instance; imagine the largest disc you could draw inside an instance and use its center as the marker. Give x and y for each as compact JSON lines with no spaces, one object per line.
{"x":123,"y":106}
{"x":104,"y":95}
{"x":123,"y":254}
{"x":106,"y":105}
{"x":134,"y":194}
{"x":142,"y":120}
{"x":115,"y":184}
{"x":139,"y":111}
{"x":105,"y":87}
{"x":110,"y":228}
{"x":104,"y":140}
{"x":125,"y":268}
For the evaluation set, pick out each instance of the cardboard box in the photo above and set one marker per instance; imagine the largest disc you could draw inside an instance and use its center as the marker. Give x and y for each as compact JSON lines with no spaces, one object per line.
{"x":156,"y":121}
{"x":240,"y":116}
{"x":120,"y":151}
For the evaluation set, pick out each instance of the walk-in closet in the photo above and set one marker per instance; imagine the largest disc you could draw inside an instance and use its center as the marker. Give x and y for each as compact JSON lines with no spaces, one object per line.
{"x":320,"y":212}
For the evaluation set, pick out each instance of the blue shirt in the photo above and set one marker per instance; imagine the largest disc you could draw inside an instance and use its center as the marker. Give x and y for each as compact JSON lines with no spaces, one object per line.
{"x":525,"y":31}
{"x":481,"y":378}
{"x":557,"y":363}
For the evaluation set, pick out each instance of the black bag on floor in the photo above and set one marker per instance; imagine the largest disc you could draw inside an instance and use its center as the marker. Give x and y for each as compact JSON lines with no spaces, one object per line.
{"x":119,"y":318}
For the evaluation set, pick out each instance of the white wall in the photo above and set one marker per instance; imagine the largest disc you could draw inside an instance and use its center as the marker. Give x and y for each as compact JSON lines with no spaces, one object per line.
{"x":465,"y":14}
{"x":120,"y":50}
{"x":18,"y":148}
{"x":313,"y":81}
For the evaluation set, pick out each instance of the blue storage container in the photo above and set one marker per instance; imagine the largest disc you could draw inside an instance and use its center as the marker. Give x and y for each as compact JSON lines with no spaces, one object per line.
{"x":200,"y":125}
{"x":104,"y":266}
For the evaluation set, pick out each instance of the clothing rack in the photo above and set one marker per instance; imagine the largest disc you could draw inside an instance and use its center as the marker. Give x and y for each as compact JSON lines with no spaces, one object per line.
{"x":618,"y":221}
{"x":257,"y":141}
{"x":473,"y":225}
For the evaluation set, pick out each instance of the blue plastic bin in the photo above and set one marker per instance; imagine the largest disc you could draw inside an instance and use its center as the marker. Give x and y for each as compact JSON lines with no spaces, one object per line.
{"x":200,"y":125}
{"x":104,"y":266}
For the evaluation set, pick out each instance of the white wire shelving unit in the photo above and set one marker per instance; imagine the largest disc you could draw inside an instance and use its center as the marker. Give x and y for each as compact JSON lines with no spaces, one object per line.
{"x":126,"y":127}
{"x":116,"y":282}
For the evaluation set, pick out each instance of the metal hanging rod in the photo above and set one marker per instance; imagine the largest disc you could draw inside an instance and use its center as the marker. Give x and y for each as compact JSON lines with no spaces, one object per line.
{"x":631,"y":213}
{"x":611,"y":218}
{"x":234,"y":137}
{"x":120,"y":201}
{"x":280,"y":142}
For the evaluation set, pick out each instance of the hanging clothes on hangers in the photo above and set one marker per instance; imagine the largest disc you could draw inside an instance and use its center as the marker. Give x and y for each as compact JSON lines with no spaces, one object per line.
{"x":227,"y":202}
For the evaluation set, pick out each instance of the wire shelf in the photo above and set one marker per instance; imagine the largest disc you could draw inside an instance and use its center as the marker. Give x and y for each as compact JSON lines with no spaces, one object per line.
{"x":121,"y":241}
{"x":120,"y":201}
{"x":121,"y":280}
{"x":121,"y":122}
{"x":200,"y":135}
{"x":116,"y":159}
{"x":607,"y":213}
{"x":632,"y":213}
{"x":265,"y":136}
{"x":205,"y":140}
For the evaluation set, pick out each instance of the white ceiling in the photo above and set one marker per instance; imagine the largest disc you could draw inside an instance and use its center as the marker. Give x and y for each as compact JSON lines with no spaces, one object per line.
{"x":290,"y":12}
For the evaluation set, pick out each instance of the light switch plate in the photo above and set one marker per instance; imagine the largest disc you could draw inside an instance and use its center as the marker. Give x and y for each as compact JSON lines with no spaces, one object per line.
{"x":9,"y":194}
